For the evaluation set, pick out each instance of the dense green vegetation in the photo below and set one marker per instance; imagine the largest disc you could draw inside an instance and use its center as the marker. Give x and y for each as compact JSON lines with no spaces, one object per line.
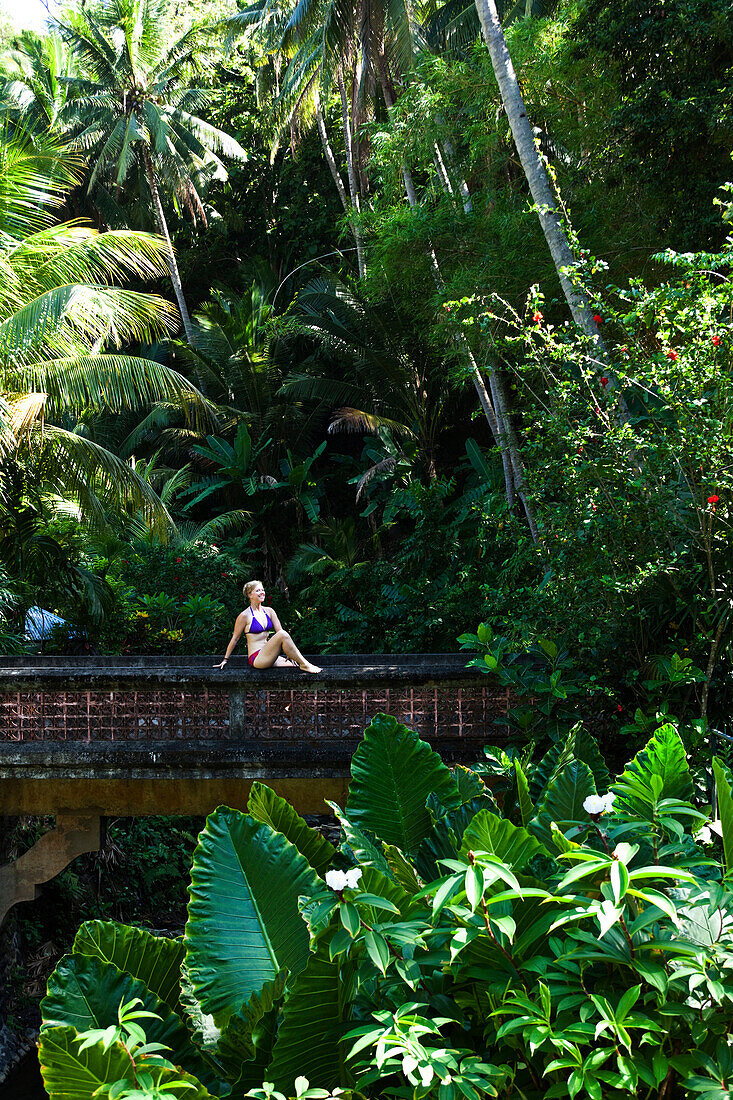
{"x":356,"y":255}
{"x":308,"y":292}
{"x":574,"y":942}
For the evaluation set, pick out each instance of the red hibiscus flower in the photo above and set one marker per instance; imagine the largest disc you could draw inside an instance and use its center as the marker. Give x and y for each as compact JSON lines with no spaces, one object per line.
{"x":537,"y":317}
{"x":716,"y":340}
{"x":604,"y":381}
{"x":713,"y":499}
{"x":597,"y":318}
{"x":672,"y":354}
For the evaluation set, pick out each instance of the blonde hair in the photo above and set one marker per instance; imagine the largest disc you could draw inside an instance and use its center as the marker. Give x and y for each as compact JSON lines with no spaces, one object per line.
{"x":249,"y":588}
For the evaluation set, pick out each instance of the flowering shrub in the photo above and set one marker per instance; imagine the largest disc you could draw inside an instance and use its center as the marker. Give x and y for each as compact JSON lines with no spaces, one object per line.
{"x":627,"y":469}
{"x":574,"y":941}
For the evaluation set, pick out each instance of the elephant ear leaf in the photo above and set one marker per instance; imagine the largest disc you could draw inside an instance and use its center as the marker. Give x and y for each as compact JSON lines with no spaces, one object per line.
{"x":586,"y":749}
{"x":724,"y":792}
{"x":155,"y":960}
{"x":552,"y":763}
{"x":393,"y":773}
{"x":313,"y":1021}
{"x":245,"y":1047}
{"x":71,"y":1074}
{"x":511,"y":844}
{"x":658,"y":771}
{"x":243,"y":921}
{"x":524,"y":802}
{"x":265,"y":805}
{"x":366,"y":850}
{"x":563,"y":801}
{"x":85,"y":992}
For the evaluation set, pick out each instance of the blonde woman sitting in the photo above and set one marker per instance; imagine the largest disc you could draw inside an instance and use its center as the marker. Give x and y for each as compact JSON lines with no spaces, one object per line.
{"x":266,"y":639}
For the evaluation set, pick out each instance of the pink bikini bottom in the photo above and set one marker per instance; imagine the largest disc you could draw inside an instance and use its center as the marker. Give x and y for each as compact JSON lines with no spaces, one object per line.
{"x":252,"y":658}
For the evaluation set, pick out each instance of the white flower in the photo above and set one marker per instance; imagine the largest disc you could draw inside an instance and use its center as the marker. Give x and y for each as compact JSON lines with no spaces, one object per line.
{"x":426,"y":1073}
{"x":599,"y":803}
{"x":336,"y":880}
{"x":342,"y":880}
{"x":408,"y":1064}
{"x":594,"y":804}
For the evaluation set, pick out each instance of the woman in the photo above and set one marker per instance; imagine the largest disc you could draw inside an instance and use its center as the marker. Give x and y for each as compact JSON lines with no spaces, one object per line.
{"x":265,"y":636}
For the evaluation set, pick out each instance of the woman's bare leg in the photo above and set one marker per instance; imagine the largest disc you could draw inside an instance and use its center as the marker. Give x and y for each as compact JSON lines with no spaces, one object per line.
{"x":281,"y":640}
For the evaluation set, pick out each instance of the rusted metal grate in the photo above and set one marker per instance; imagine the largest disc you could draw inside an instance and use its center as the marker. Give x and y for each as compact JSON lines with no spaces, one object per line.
{"x":114,"y":715}
{"x":443,"y":712}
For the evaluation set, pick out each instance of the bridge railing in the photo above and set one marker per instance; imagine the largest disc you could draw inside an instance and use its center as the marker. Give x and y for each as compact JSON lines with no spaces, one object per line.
{"x":89,"y":738}
{"x":156,"y":699}
{"x":160,"y":734}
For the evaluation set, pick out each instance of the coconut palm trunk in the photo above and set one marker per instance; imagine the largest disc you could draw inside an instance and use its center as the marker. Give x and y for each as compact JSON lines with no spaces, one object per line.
{"x":534,"y":169}
{"x":328,"y":154}
{"x":163,"y":230}
{"x":351,"y":172}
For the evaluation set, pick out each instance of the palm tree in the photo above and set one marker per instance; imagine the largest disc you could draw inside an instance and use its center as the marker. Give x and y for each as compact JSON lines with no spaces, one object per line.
{"x":37,"y":93}
{"x":389,"y":385}
{"x":135,"y":109}
{"x":58,"y":310}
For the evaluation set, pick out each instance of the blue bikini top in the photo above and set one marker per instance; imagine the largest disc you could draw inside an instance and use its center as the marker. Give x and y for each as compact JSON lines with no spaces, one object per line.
{"x":256,"y":627}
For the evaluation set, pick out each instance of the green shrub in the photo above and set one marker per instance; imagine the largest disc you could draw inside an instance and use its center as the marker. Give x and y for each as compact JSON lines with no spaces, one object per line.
{"x":575,"y":941}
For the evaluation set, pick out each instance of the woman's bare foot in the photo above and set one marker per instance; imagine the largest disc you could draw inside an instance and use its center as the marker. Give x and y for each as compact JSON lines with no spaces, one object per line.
{"x":308,"y":667}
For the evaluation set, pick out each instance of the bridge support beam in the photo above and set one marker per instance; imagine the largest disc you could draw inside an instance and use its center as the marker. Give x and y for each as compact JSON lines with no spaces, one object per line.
{"x":73,"y":835}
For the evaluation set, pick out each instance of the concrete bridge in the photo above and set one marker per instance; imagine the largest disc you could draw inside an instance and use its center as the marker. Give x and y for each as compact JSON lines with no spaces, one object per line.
{"x":89,"y":738}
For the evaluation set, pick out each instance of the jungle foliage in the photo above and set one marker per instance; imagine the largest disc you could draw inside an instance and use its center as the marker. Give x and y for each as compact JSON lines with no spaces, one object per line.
{"x":568,"y":937}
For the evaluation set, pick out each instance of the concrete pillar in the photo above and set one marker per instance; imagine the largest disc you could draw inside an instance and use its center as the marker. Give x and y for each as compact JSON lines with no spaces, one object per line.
{"x":73,"y":835}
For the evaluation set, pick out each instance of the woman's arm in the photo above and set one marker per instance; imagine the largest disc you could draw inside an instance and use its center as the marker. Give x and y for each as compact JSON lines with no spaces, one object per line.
{"x":273,"y":618}
{"x":241,"y":627}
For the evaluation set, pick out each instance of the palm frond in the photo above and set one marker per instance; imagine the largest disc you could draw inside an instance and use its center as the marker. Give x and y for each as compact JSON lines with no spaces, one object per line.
{"x":356,"y":420}
{"x":114,"y":382}
{"x":79,"y":467}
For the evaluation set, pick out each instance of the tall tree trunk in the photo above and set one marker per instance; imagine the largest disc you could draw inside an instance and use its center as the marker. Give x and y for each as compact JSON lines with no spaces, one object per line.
{"x":328,"y":153}
{"x":442,"y":172}
{"x":449,"y":159}
{"x":353,"y":186}
{"x":163,"y":229}
{"x":534,"y":169}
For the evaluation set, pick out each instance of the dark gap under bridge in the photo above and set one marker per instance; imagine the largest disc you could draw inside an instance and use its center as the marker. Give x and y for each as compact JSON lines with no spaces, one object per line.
{"x":84,"y":738}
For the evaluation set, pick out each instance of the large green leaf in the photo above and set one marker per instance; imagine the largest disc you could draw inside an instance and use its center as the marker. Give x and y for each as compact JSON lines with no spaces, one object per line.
{"x":243,"y":921}
{"x":550,"y":765}
{"x":72,"y":1075}
{"x":392,"y":774}
{"x":524,"y":802}
{"x":265,"y":805}
{"x":724,"y":794}
{"x":509,"y":843}
{"x":366,"y":849}
{"x":444,"y":840}
{"x":563,"y":800}
{"x":374,"y":882}
{"x":245,"y":1047}
{"x":86,"y":992}
{"x":663,"y":758}
{"x":154,"y":959}
{"x":313,"y":1021}
{"x":586,"y":749}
